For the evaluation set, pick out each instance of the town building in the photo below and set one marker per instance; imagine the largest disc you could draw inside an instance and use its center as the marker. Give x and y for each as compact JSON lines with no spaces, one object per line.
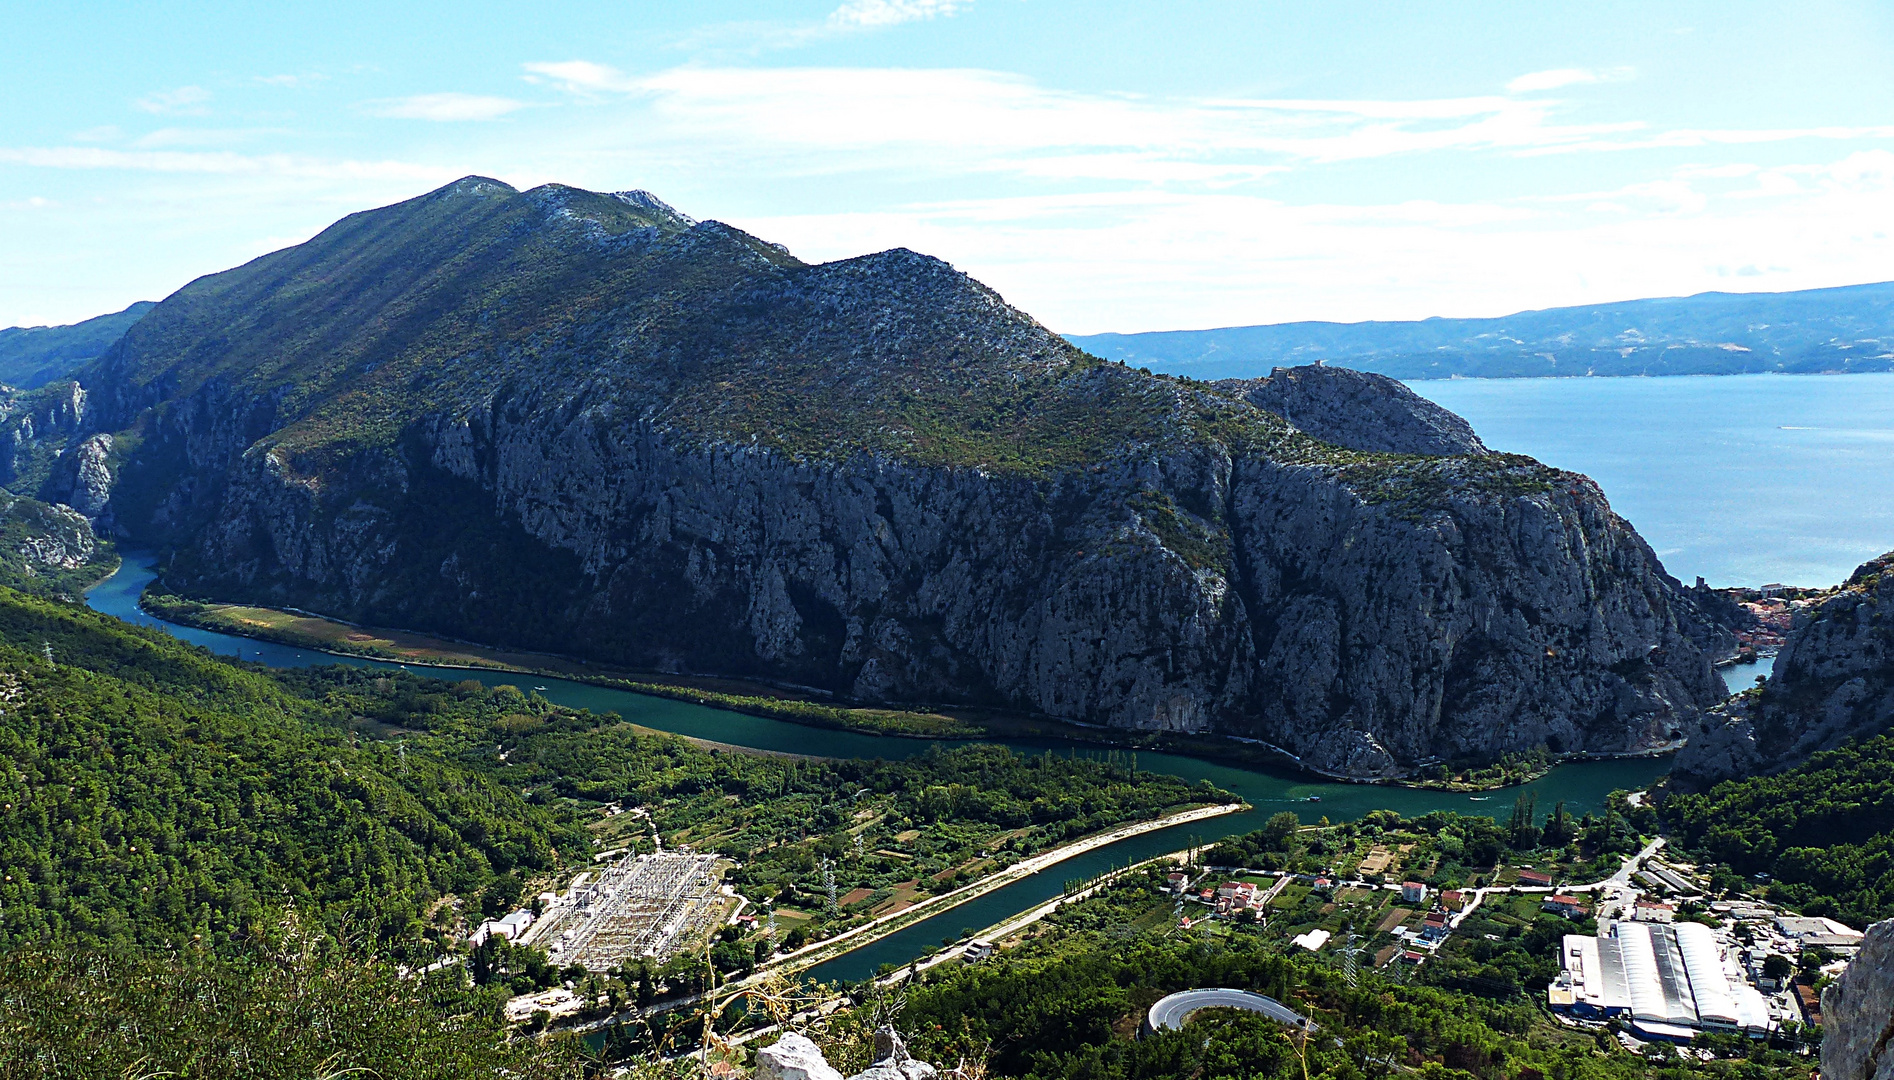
{"x":511,"y":928}
{"x":1811,"y":932}
{"x":1572,"y":907}
{"x":1668,"y":982}
{"x":1653,"y":911}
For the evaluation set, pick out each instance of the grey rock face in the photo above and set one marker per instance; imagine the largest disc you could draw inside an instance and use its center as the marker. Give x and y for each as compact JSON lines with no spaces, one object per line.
{"x":1184,"y":592}
{"x":892,"y":1061}
{"x":34,"y":427}
{"x":1834,"y":679}
{"x":82,"y":478}
{"x":794,"y":1057}
{"x":59,"y":538}
{"x":1358,"y":410}
{"x":1858,"y":1013}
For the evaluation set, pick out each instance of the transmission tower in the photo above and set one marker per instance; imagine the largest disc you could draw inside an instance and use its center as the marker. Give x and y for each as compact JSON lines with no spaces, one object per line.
{"x":47,"y":648}
{"x":828,"y":882}
{"x":1349,"y":970}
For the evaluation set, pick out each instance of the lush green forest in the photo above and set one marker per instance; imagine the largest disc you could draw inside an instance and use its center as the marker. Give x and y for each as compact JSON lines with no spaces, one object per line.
{"x":150,"y":794}
{"x":890,"y":832}
{"x":1065,"y":1004}
{"x":282,"y":1008}
{"x":1822,"y":832}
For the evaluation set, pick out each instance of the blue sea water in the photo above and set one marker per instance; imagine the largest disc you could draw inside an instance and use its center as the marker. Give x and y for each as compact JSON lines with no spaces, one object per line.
{"x":1743,"y":479}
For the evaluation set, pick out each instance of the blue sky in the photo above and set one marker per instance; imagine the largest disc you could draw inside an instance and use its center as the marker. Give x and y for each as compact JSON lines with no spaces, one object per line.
{"x":1106,"y":166}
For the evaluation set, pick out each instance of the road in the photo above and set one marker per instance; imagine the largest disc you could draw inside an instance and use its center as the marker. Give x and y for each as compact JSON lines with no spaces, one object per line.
{"x":1612,"y":889}
{"x":1170,"y":1012}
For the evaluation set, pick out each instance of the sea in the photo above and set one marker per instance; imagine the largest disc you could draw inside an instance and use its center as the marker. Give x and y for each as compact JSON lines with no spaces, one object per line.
{"x":1739,"y":479}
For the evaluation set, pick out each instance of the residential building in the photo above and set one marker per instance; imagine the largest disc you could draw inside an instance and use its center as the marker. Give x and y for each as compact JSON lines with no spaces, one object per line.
{"x":1535,"y":878}
{"x":1413,"y":892}
{"x":1572,"y":907}
{"x":1653,"y":911}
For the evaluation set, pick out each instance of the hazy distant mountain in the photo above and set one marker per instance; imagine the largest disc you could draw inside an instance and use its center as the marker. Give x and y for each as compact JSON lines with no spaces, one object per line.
{"x":1811,"y":332}
{"x":33,"y":356}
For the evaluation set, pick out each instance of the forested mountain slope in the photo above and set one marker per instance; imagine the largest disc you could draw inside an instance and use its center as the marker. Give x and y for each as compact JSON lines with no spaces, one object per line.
{"x":1816,"y":330}
{"x":1823,"y":831}
{"x":32,"y":356}
{"x":584,"y":422}
{"x":150,"y":794}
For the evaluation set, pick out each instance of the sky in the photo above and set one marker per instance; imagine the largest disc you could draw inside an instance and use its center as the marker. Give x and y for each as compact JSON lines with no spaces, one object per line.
{"x":1105,"y":166}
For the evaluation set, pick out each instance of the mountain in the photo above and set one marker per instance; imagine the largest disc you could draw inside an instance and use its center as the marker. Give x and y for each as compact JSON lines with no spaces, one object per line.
{"x":584,"y":422}
{"x":32,"y":356}
{"x":1357,"y":410}
{"x":1813,"y":331}
{"x":1833,"y":681}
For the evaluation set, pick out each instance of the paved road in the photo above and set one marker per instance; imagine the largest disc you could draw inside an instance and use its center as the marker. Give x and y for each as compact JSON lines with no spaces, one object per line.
{"x":1171,"y":1012}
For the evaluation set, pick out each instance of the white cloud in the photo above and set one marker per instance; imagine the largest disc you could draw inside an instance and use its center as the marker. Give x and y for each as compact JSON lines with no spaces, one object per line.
{"x":871,"y":14}
{"x":583,"y":77}
{"x":183,"y":101}
{"x":218,"y":163}
{"x":171,"y":137}
{"x":446,"y":107}
{"x":1561,"y":77}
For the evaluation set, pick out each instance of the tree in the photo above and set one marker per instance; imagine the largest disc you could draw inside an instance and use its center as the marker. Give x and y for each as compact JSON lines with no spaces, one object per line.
{"x":1778,"y":967}
{"x":1279,"y":829}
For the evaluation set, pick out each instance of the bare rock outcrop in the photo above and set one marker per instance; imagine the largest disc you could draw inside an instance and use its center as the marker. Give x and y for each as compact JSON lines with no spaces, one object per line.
{"x":1833,"y":680}
{"x":796,"y":1057}
{"x":1359,"y":410}
{"x":1858,"y":1012}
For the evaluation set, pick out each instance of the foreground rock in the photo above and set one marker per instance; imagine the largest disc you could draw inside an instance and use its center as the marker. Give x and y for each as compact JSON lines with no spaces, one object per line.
{"x":795,"y":1057}
{"x":1833,"y":680}
{"x":585,"y":423}
{"x":1858,"y":1013}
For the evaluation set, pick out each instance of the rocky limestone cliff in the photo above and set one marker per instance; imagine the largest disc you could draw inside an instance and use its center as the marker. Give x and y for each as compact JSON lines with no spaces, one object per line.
{"x":1833,"y":680}
{"x":1359,"y":410}
{"x":1858,"y":1012}
{"x":664,"y":443}
{"x":35,"y":426}
{"x":796,"y":1057}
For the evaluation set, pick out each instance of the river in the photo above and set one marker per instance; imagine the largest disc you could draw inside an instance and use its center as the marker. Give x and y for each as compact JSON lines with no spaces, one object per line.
{"x":1582,"y":786}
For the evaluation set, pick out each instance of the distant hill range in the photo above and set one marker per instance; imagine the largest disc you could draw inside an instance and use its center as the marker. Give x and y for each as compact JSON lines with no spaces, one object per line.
{"x":1816,"y":331}
{"x":32,"y":356}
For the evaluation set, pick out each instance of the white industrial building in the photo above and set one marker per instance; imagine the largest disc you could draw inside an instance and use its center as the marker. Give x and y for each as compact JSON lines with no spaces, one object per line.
{"x":1669,"y":981}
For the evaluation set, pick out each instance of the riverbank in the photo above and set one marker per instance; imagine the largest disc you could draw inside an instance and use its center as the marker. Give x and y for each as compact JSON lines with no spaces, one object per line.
{"x":868,"y":933}
{"x":801,"y":705}
{"x":307,"y":630}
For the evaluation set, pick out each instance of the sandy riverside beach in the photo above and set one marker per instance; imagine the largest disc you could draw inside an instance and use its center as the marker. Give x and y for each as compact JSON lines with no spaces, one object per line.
{"x":849,"y":940}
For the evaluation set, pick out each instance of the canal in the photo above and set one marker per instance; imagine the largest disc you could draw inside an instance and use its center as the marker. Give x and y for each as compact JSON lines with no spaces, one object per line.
{"x":1582,"y":786}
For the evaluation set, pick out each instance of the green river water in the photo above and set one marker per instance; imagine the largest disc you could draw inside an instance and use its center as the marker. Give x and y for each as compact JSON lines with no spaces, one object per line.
{"x":1582,"y":785}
